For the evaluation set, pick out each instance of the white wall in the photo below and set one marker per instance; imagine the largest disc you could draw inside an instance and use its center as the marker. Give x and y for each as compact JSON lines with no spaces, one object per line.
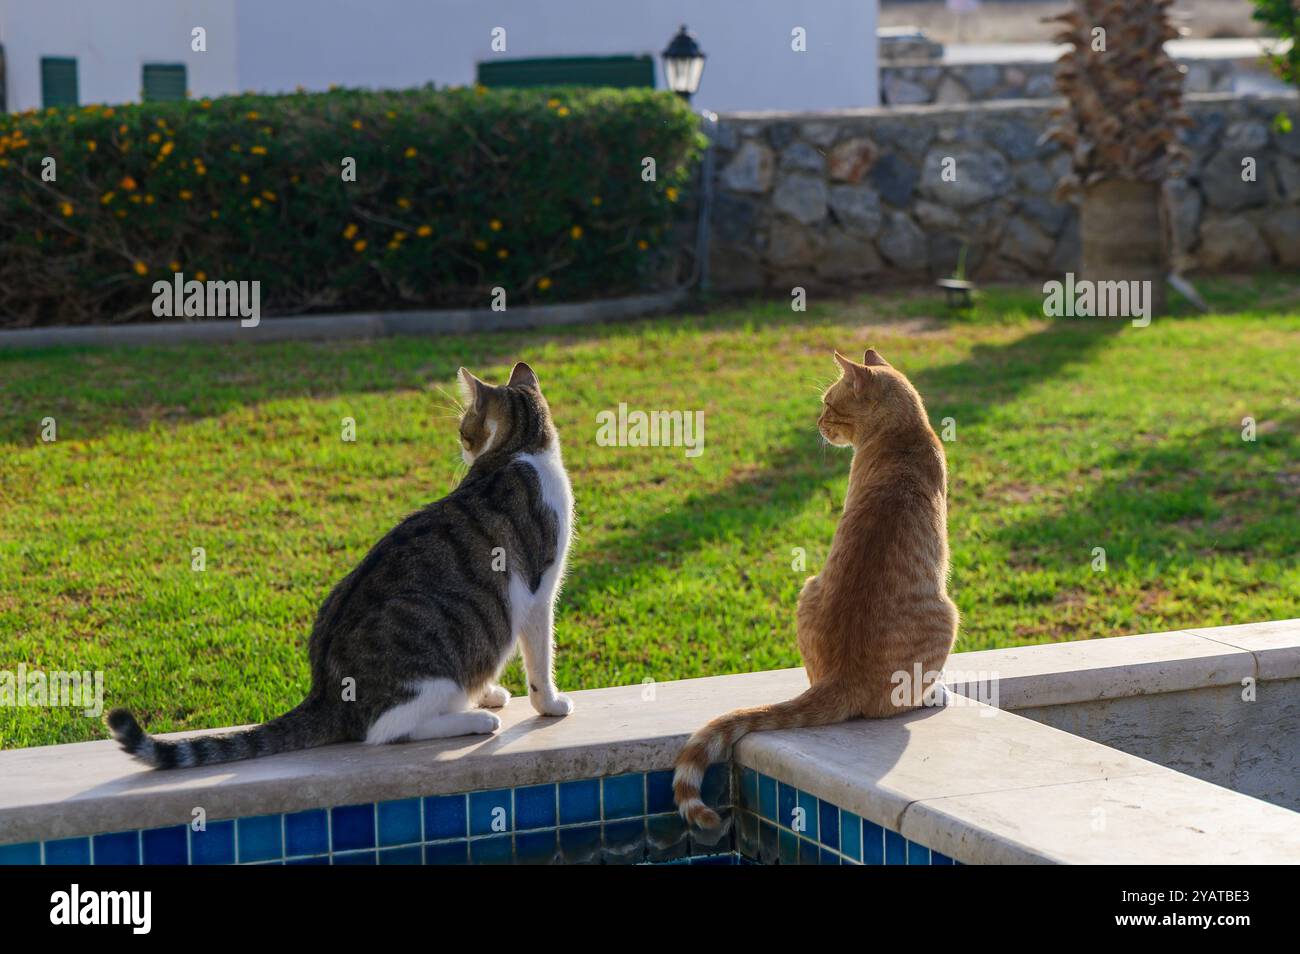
{"x":112,"y":40}
{"x":396,"y":43}
{"x":277,"y":45}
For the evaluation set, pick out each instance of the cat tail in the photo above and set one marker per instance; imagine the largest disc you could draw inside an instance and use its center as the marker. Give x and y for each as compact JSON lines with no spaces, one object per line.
{"x":307,"y":725}
{"x":822,"y":704}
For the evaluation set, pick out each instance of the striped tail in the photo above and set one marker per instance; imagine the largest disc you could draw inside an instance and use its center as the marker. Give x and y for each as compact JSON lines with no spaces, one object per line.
{"x":303,"y":727}
{"x":822,"y":704}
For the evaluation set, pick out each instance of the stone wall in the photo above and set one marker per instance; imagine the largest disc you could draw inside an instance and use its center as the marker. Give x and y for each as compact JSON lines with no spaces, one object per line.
{"x":828,"y":199}
{"x":919,"y":82}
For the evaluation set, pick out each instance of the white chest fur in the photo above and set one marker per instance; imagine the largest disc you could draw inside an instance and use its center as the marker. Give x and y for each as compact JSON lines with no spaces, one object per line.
{"x":558,"y":495}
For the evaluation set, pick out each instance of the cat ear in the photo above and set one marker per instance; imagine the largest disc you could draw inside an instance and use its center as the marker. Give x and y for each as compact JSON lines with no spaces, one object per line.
{"x":524,"y":377}
{"x":873,"y":359}
{"x":859,"y":376}
{"x":471,"y":388}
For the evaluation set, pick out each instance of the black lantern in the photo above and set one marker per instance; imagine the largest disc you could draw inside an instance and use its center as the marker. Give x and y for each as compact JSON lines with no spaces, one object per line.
{"x":683,"y":64}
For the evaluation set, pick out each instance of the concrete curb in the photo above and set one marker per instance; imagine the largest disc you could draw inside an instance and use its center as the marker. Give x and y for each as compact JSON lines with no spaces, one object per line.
{"x":380,"y":324}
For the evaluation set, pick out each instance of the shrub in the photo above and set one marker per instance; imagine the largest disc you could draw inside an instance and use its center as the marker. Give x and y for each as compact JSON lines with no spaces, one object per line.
{"x":456,"y":192}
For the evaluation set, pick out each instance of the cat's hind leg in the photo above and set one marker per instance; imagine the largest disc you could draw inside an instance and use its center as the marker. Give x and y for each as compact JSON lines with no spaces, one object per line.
{"x":438,"y":710}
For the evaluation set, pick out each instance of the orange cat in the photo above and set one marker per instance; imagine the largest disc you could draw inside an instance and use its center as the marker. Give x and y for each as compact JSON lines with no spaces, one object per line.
{"x":878,"y":615}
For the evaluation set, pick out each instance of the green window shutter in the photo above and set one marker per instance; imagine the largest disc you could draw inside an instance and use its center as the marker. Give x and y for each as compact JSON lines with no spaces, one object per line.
{"x":163,"y":81}
{"x":620,"y":71}
{"x":59,"y":81}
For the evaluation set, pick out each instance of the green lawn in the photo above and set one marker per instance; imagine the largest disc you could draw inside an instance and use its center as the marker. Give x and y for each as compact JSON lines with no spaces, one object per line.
{"x":1071,"y":435}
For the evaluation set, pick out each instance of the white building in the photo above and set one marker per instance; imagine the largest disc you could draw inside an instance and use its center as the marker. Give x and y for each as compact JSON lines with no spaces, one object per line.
{"x":117,"y":50}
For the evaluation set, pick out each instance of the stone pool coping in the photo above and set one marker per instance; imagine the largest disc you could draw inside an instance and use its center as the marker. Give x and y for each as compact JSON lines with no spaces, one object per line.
{"x":977,"y":783}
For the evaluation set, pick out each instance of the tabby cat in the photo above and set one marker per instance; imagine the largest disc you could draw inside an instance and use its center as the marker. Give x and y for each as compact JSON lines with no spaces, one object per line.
{"x":878,"y":615}
{"x":415,"y":637}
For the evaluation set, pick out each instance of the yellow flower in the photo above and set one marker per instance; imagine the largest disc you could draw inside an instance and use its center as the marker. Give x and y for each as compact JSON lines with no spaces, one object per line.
{"x":543,"y":283}
{"x":399,"y":236}
{"x":174,"y":265}
{"x":356,"y":124}
{"x":141,"y":268}
{"x":404,"y":203}
{"x":243,"y":177}
{"x":154,"y":137}
{"x":671,"y":192}
{"x":252,"y":116}
{"x":502,"y":253}
{"x":495,"y":225}
{"x":201,"y":276}
{"x":167,"y":148}
{"x":258,"y":150}
{"x":359,"y":245}
{"x":148,"y":200}
{"x":480,"y":245}
{"x":122,"y":129}
{"x":127,"y":183}
{"x":552,"y":103}
{"x":596,"y":200}
{"x":268,"y":195}
{"x":66,"y":209}
{"x":562,"y":111}
{"x":642,"y":244}
{"x":424,"y":231}
{"x":410,"y":152}
{"x":576,"y":232}
{"x":214,"y":214}
{"x":186,"y":195}
{"x":394,"y":244}
{"x":205,"y":104}
{"x":106,"y":198}
{"x":350,"y":231}
{"x":256,"y":202}
{"x":92,"y":145}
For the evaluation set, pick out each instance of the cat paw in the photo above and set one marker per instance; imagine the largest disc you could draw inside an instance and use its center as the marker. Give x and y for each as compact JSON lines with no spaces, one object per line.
{"x":557,"y":704}
{"x":494,"y":697}
{"x":483,"y":723}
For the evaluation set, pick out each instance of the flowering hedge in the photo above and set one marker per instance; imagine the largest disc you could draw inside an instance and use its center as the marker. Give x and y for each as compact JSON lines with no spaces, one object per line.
{"x":456,"y":192}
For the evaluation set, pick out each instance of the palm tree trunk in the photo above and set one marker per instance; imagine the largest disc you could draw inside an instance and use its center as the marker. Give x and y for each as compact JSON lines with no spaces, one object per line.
{"x":1122,"y":228}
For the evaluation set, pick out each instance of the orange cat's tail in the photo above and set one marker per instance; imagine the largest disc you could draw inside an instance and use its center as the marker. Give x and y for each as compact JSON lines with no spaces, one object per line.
{"x":822,"y":704}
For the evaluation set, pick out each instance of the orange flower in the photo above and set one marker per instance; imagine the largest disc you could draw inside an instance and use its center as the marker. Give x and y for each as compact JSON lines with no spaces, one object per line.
{"x":174,"y":265}
{"x":424,"y":231}
{"x":127,"y":183}
{"x":350,"y":231}
{"x":576,"y":232}
{"x":258,"y":150}
{"x":186,"y":195}
{"x":410,"y":152}
{"x":141,"y":268}
{"x":543,"y":283}
{"x":359,"y":245}
{"x":66,"y":209}
{"x":495,"y":225}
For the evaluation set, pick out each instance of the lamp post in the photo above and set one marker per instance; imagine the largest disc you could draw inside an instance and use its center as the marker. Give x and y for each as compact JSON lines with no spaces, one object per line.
{"x":683,"y":64}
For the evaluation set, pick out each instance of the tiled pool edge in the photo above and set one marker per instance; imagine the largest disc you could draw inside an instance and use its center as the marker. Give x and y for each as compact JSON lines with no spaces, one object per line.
{"x":884,"y":782}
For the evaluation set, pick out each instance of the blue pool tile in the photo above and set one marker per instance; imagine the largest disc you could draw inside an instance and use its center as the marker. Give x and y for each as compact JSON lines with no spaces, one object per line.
{"x":917,"y":854}
{"x":165,"y":846}
{"x":828,"y":824}
{"x":68,"y":851}
{"x":873,"y":843}
{"x":659,"y":792}
{"x":28,"y":853}
{"x":788,"y":851}
{"x":808,"y":805}
{"x":399,"y":822}
{"x":580,"y":845}
{"x":747,"y":834}
{"x":768,"y":853}
{"x":534,"y":807}
{"x":851,"y":835}
{"x":938,"y":858}
{"x":895,"y":848}
{"x":808,"y":852}
{"x":624,"y":841}
{"x":624,"y":795}
{"x":352,"y":827}
{"x":580,"y":801}
{"x":748,"y":789}
{"x":409,"y":855}
{"x":489,"y":812}
{"x":767,"y":797}
{"x":260,"y":838}
{"x":536,"y":847}
{"x":215,"y":846}
{"x":314,"y":860}
{"x":667,"y":837}
{"x":496,"y":850}
{"x":447,"y":853}
{"x":787,"y":802}
{"x":306,"y":833}
{"x":445,"y":816}
{"x":119,"y":848}
{"x":356,"y":858}
{"x":827,"y":857}
{"x":715,"y":790}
